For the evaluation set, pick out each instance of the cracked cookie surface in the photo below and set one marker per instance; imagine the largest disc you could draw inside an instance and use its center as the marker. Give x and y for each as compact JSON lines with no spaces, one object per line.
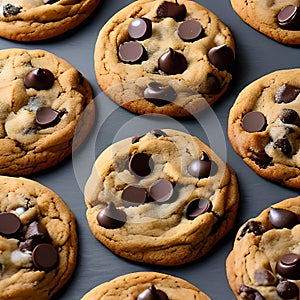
{"x":164,"y":198}
{"x":171,"y":72}
{"x":264,"y":261}
{"x":39,"y":222}
{"x":263,"y":126}
{"x":42,"y":100}
{"x":32,"y":20}
{"x":140,"y":284}
{"x":263,"y":16}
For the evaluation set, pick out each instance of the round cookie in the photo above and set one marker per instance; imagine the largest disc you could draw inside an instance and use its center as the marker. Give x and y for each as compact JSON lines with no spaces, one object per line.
{"x":263,"y":126}
{"x":38,"y":240}
{"x":265,"y":260}
{"x":164,"y":198}
{"x":32,"y":20}
{"x":42,"y":100}
{"x":146,"y":285}
{"x":164,"y":57}
{"x":278,"y":19}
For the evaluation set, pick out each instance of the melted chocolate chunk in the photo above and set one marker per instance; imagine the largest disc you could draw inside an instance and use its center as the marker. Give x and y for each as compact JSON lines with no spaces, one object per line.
{"x":222,"y":57}
{"x":172,"y":10}
{"x":132,"y":52}
{"x":140,"y":29}
{"x":265,"y":277}
{"x":210,"y":86}
{"x":11,"y":10}
{"x":37,"y":231}
{"x":250,"y":293}
{"x":152,"y":294}
{"x":39,"y":79}
{"x":288,"y":266}
{"x":254,"y":121}
{"x":172,"y":62}
{"x":289,"y":18}
{"x":282,"y":218}
{"x":289,"y":116}
{"x":141,"y":164}
{"x":190,"y":30}
{"x":284,"y":146}
{"x":157,"y":133}
{"x":159,"y":94}
{"x":47,"y":117}
{"x":252,"y":227}
{"x":110,"y":217}
{"x":10,"y":224}
{"x":261,"y":158}
{"x":203,"y":167}
{"x":287,"y":290}
{"x":44,"y":257}
{"x":286,"y":93}
{"x":161,"y":190}
{"x":134,"y":195}
{"x":197,"y":207}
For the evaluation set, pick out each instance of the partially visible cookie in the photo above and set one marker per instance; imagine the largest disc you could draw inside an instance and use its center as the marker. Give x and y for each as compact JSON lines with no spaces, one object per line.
{"x":164,"y":198}
{"x":165,"y":57}
{"x":146,"y":285}
{"x":278,"y":19}
{"x":263,"y":126}
{"x":32,"y":20}
{"x":42,"y":100}
{"x":38,"y":240}
{"x":264,"y":263}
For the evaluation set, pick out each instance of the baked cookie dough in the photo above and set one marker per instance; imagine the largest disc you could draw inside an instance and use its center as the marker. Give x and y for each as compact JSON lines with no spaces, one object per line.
{"x":42,"y":100}
{"x":32,"y":20}
{"x":164,"y":198}
{"x":265,"y":261}
{"x":263,"y":126}
{"x":146,"y":285}
{"x":164,"y":57}
{"x":38,"y":240}
{"x":277,"y":19}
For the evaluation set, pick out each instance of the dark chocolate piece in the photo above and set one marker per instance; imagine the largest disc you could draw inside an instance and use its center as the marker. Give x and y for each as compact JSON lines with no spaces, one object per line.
{"x":250,"y":293}
{"x":265,"y":277}
{"x":261,"y":158}
{"x":190,"y":30}
{"x":252,"y":227}
{"x":282,"y":218}
{"x":132,"y":52}
{"x":11,"y":10}
{"x":152,"y":294}
{"x":161,"y":190}
{"x":110,"y":217}
{"x":50,"y":1}
{"x":222,"y":57}
{"x":159,"y":94}
{"x":44,"y":257}
{"x":172,"y":62}
{"x":140,"y":28}
{"x":10,"y":224}
{"x":284,"y":146}
{"x":288,"y":266}
{"x":157,"y":133}
{"x":287,"y":290}
{"x":141,"y":164}
{"x":202,"y":167}
{"x":286,"y":93}
{"x":289,"y":116}
{"x":134,"y":195}
{"x":47,"y":117}
{"x":289,"y":18}
{"x":197,"y":207}
{"x":254,"y":121}
{"x":172,"y":10}
{"x":39,"y":79}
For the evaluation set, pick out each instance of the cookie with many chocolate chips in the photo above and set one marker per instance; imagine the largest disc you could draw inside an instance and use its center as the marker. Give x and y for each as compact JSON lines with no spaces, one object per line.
{"x":164,"y":57}
{"x":265,"y":260}
{"x":164,"y":198}
{"x":263,"y":126}
{"x":43,"y":98}
{"x":277,"y":19}
{"x":32,"y":20}
{"x":146,"y":286}
{"x":38,"y":240}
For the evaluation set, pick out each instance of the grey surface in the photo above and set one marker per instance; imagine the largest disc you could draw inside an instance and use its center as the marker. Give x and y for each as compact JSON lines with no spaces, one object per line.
{"x":257,"y":55}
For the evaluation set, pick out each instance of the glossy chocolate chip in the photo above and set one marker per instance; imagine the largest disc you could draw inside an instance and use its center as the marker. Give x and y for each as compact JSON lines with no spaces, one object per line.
{"x":172,"y":10}
{"x":282,"y":218}
{"x":284,"y":146}
{"x":249,"y":293}
{"x":265,"y":277}
{"x":203,"y":167}
{"x":261,"y":158}
{"x":287,"y":290}
{"x":289,"y":116}
{"x":197,"y":207}
{"x":252,"y":227}
{"x":37,"y":231}
{"x":190,"y":30}
{"x":110,"y":217}
{"x":222,"y":57}
{"x":152,"y":294}
{"x":132,"y":52}
{"x":44,"y":257}
{"x":172,"y":62}
{"x":136,"y":139}
{"x":140,"y":28}
{"x":254,"y":121}
{"x":161,"y":190}
{"x":141,"y":164}
{"x":158,"y":133}
{"x":289,"y":17}
{"x":39,"y":79}
{"x":288,"y":266}
{"x":159,"y":94}
{"x":134,"y":195}
{"x":10,"y":224}
{"x":47,"y":117}
{"x":11,"y":10}
{"x":286,"y":93}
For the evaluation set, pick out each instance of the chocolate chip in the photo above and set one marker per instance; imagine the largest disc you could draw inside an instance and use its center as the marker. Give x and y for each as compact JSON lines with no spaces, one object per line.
{"x":44,"y":257}
{"x":37,"y":231}
{"x":265,"y":277}
{"x":152,"y":294}
{"x":172,"y":62}
{"x":136,"y":139}
{"x":284,"y":146}
{"x":254,"y":121}
{"x":159,"y":94}
{"x":282,"y":218}
{"x":10,"y":224}
{"x":110,"y":217}
{"x":190,"y":30}
{"x":287,"y":290}
{"x":30,"y":130}
{"x":50,"y":1}
{"x":261,"y":158}
{"x":11,"y":10}
{"x":161,"y":190}
{"x":39,"y":79}
{"x":210,"y":86}
{"x":252,"y":227}
{"x":172,"y":10}
{"x":286,"y":93}
{"x":203,"y":167}
{"x":289,"y":17}
{"x":197,"y":207}
{"x":47,"y":117}
{"x":289,"y":116}
{"x":134,"y":195}
{"x":158,"y":133}
{"x":288,"y":266}
{"x":141,"y":164}
{"x":132,"y":52}
{"x":222,"y":57}
{"x":249,"y":293}
{"x":140,"y":28}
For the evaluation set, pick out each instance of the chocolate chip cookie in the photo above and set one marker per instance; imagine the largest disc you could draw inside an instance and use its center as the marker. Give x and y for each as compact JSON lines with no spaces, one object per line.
{"x":163,"y":198}
{"x":164,"y":57}
{"x":265,"y":260}
{"x":263,"y":126}
{"x":278,"y":19}
{"x":42,"y":100}
{"x":38,"y":240}
{"x":32,"y":20}
{"x":146,"y":285}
